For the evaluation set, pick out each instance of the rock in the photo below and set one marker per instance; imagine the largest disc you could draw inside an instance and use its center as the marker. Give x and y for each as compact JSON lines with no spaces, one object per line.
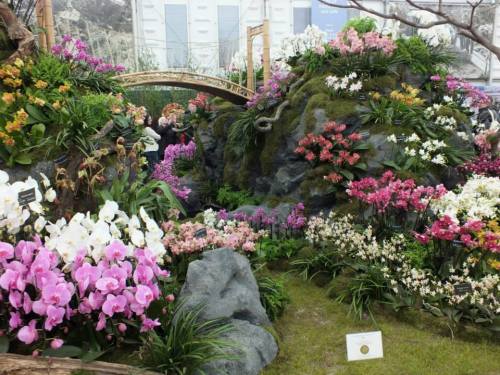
{"x":20,"y":173}
{"x":223,"y":282}
{"x":193,"y":204}
{"x":255,"y":349}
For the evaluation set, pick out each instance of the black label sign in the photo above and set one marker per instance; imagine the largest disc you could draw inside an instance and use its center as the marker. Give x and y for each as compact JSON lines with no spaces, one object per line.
{"x":397,"y":122}
{"x":463,"y":288}
{"x":200,"y":233}
{"x":26,"y":197}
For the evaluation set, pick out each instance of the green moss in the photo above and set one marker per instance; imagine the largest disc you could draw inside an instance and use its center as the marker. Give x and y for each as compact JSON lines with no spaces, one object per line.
{"x":274,"y":201}
{"x":289,"y":121}
{"x":313,"y":86}
{"x":335,"y":109}
{"x":381,"y":83}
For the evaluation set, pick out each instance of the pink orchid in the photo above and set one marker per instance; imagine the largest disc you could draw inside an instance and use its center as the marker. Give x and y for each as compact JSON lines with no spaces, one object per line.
{"x":6,"y":251}
{"x":59,"y":294}
{"x":144,"y":295}
{"x":28,"y":334}
{"x":149,"y":324}
{"x":114,"y":304}
{"x":115,"y":251}
{"x":55,"y":316}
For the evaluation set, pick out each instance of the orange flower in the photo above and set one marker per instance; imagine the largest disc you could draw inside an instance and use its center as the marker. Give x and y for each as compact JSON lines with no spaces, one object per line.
{"x":12,"y":82}
{"x":3,"y":135}
{"x":9,"y":142}
{"x":56,"y":105}
{"x":41,"y":84}
{"x":8,"y":98}
{"x":21,"y":115}
{"x":13,"y":126}
{"x":64,"y":88}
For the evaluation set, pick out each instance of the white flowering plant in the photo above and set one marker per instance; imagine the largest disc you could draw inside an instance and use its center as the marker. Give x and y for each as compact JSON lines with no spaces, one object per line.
{"x":399,"y":271}
{"x":348,"y":85}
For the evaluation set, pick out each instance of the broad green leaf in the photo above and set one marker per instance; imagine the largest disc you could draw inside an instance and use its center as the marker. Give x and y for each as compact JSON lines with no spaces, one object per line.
{"x":4,"y":344}
{"x":63,"y":351}
{"x":391,"y":164}
{"x":36,"y":113}
{"x":23,"y":159}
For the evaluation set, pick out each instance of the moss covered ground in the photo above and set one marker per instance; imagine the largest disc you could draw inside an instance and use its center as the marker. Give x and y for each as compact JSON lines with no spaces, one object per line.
{"x":312,"y":333}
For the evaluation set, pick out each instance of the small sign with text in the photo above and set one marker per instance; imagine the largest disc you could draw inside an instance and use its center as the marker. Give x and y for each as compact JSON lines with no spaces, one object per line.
{"x":366,"y":345}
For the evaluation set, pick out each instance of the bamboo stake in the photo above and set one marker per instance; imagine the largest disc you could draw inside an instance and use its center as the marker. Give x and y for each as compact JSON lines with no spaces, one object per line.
{"x":49,"y":23}
{"x":42,"y":38}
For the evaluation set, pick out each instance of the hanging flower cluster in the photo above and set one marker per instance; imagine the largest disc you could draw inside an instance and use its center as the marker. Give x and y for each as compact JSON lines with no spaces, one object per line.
{"x":351,"y":42}
{"x":390,"y":193}
{"x":76,"y":51}
{"x":137,"y":114}
{"x":165,"y":170}
{"x":331,"y":147}
{"x":275,"y":90}
{"x":173,"y":113}
{"x":200,"y":103}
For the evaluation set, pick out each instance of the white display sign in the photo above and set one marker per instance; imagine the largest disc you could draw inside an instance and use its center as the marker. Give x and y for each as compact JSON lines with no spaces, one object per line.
{"x":367,"y":345}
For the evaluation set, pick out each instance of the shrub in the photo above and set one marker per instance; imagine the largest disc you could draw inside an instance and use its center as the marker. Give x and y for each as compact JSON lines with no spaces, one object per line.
{"x":231,"y":199}
{"x":420,"y":57}
{"x":361,"y":25}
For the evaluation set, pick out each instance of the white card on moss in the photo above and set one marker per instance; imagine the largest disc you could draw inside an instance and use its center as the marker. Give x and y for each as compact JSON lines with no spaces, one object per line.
{"x":366,"y":345}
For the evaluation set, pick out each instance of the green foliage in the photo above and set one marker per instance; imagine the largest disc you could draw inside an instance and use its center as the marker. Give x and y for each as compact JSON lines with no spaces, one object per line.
{"x":416,"y":253}
{"x":273,"y":249}
{"x":365,"y":288}
{"x":240,"y":77}
{"x":231,"y":200}
{"x":273,"y":296}
{"x":186,"y":344}
{"x":361,"y":24}
{"x":242,"y":133}
{"x":420,"y":57}
{"x":154,"y":98}
{"x":154,"y":196}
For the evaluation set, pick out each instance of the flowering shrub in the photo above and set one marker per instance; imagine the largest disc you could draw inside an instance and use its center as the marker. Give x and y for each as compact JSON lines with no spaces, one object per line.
{"x":484,"y":164}
{"x":351,"y":42}
{"x":334,"y":148}
{"x":463,"y":92}
{"x":173,"y":114}
{"x":408,"y":96}
{"x":200,"y":103}
{"x":296,"y":45}
{"x":137,"y":114}
{"x":165,"y":170}
{"x":346,"y":84}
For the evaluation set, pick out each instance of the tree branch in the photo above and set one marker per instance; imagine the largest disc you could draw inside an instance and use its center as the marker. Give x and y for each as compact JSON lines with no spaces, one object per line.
{"x":466,"y":29}
{"x":17,"y":32}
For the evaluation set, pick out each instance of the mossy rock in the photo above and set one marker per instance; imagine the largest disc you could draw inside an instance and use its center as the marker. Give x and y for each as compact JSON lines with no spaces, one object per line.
{"x":313,"y":86}
{"x":386,"y":83}
{"x":340,"y":284}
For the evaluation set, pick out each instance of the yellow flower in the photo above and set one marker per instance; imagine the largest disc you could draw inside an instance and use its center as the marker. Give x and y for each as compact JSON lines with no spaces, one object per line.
{"x":12,"y":82}
{"x":39,"y":102}
{"x":56,"y":105}
{"x":495,"y":264}
{"x":64,"y":88}
{"x":41,"y":84}
{"x":8,"y":98}
{"x":13,"y":126}
{"x":19,"y":63}
{"x":3,"y":135}
{"x":375,"y":95}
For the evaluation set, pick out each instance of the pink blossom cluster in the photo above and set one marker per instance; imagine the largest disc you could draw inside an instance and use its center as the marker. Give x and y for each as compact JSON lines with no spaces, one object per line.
{"x":475,"y":97}
{"x":165,"y":170}
{"x":39,"y":295}
{"x":388,"y":192}
{"x":189,"y":237}
{"x":296,"y":219}
{"x":351,"y":41}
{"x":445,"y":228}
{"x":487,"y":141}
{"x":76,"y":50}
{"x":331,"y":147}
{"x":485,"y":164}
{"x":200,"y":103}
{"x":275,"y":90}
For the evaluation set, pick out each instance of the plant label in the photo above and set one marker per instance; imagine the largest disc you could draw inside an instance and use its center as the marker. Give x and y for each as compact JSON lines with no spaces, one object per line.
{"x":26,"y":197}
{"x":463,"y":288}
{"x":366,"y":345}
{"x":200,"y":233}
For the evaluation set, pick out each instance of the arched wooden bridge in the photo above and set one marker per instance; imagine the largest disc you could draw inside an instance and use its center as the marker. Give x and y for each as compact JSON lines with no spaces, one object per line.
{"x":223,"y":88}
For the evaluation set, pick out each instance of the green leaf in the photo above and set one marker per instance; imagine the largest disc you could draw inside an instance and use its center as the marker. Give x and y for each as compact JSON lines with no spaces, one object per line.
{"x":362,"y":166}
{"x":362,"y":147}
{"x":36,"y":113}
{"x":63,"y":351}
{"x":347,"y":174}
{"x":92,"y":355}
{"x":4,"y":344}
{"x":38,"y":131}
{"x":391,"y":164}
{"x":23,"y":159}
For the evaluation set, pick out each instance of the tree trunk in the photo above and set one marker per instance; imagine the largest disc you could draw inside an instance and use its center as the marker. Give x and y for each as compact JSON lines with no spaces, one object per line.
{"x":15,"y":33}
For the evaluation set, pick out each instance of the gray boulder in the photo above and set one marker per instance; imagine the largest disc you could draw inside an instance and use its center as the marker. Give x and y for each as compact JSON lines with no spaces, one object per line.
{"x":223,"y":282}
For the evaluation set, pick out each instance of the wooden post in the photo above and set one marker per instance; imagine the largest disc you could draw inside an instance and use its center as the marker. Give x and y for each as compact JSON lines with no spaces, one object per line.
{"x":40,"y":21}
{"x":250,"y":77}
{"x":49,"y":23}
{"x":266,"y":53}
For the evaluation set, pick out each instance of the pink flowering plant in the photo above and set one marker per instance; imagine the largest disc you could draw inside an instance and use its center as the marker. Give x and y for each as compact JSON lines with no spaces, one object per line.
{"x":469,"y":97}
{"x":392,"y":203}
{"x":45,"y":301}
{"x":341,"y":153}
{"x":274,"y":92}
{"x":165,"y":170}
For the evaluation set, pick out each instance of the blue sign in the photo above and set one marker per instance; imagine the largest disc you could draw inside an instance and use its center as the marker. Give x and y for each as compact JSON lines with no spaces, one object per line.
{"x":329,"y":19}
